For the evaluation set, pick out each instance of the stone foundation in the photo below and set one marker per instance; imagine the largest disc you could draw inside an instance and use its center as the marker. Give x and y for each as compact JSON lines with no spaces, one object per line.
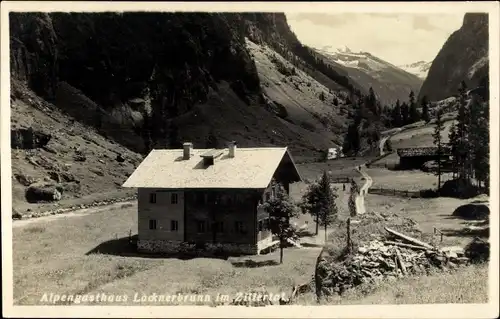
{"x":169,"y":246}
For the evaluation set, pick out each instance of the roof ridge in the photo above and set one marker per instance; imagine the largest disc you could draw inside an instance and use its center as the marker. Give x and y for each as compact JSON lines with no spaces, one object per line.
{"x":239,"y":149}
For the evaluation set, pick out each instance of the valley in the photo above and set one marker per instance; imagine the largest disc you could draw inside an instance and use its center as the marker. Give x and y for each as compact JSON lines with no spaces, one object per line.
{"x":172,"y":98}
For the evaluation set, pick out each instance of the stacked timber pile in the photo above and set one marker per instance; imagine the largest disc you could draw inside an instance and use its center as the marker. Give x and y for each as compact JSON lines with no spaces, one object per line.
{"x":388,"y":258}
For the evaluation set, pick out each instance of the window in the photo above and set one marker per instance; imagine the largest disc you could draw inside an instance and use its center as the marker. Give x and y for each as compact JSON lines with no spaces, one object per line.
{"x":152,"y":224}
{"x":219,"y":227}
{"x":152,"y":198}
{"x":200,"y":226}
{"x":174,"y":198}
{"x":274,"y":191}
{"x":174,"y":225}
{"x":261,"y":226}
{"x":239,"y":227}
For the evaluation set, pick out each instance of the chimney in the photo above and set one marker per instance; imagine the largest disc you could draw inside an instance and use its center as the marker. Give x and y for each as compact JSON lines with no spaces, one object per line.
{"x":188,"y":147}
{"x":232,"y":148}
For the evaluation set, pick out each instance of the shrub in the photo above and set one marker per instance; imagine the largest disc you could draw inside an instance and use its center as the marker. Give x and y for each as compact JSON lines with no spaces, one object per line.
{"x":472,"y":212}
{"x":477,"y":250}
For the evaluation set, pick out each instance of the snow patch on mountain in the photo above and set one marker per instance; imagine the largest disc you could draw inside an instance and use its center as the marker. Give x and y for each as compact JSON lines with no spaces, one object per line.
{"x":420,"y":68}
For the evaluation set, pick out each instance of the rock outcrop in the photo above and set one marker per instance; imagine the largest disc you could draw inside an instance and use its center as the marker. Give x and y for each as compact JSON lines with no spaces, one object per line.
{"x":463,"y":57}
{"x":154,"y":79}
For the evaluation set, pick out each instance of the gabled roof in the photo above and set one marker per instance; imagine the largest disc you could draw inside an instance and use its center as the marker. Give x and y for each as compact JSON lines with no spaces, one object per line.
{"x":421,"y":151}
{"x":250,"y":168}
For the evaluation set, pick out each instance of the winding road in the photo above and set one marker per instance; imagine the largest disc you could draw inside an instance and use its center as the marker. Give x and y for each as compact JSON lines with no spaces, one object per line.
{"x":360,"y":199}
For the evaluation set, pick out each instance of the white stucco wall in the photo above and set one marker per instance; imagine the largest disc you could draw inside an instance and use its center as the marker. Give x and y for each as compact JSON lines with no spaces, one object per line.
{"x":163,"y":211}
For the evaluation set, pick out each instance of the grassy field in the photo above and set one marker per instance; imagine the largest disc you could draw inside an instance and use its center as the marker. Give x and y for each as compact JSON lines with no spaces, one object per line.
{"x":342,"y":167}
{"x":464,"y":285}
{"x":428,"y":213}
{"x":419,"y":136}
{"x":404,"y":180}
{"x":88,"y":254}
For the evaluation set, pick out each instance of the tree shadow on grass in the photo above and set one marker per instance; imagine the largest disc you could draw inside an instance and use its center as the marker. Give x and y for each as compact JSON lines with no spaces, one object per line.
{"x":127,"y":247}
{"x":483,"y":232}
{"x":248,"y":263}
{"x":310,"y":245}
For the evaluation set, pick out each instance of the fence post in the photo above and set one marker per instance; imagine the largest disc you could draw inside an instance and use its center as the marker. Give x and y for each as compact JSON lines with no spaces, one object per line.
{"x":349,"y":246}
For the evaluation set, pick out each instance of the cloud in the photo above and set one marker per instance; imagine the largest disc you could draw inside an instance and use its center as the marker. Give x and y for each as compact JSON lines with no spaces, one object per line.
{"x":323,"y":19}
{"x":422,"y":22}
{"x":398,"y":38}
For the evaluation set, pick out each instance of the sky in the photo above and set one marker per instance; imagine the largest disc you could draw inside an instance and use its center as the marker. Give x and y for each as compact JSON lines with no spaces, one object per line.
{"x":397,"y":38}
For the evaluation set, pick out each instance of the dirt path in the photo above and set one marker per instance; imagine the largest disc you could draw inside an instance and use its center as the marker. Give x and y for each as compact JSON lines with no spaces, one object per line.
{"x":360,"y":199}
{"x":76,"y":213}
{"x":384,"y":140}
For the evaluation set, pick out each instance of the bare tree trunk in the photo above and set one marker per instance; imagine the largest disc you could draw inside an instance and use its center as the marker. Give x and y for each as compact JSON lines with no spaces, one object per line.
{"x":281,"y":251}
{"x":317,"y":224}
{"x":439,"y":175}
{"x":325,"y":233}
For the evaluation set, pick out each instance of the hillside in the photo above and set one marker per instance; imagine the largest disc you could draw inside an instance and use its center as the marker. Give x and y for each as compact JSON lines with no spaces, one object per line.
{"x":298,"y":98}
{"x":53,"y":152}
{"x":154,"y":80}
{"x":420,"y":68}
{"x":366,"y":70}
{"x":131,"y":83}
{"x":463,"y":57}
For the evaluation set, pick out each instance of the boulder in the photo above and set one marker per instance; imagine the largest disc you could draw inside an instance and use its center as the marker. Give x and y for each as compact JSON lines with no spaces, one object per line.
{"x":43,"y":192}
{"x":120,"y":158}
{"x":472,"y":211}
{"x":24,"y":179}
{"x":28,"y":138}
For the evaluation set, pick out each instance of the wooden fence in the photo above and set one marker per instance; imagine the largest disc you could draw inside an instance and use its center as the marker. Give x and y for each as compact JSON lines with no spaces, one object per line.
{"x":394,"y":192}
{"x":341,"y":180}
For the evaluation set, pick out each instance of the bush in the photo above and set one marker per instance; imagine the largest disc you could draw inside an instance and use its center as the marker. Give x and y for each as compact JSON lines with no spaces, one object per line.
{"x":43,"y":193}
{"x":472,"y":212}
{"x":478,"y":250}
{"x":458,"y":188}
{"x":428,"y":193}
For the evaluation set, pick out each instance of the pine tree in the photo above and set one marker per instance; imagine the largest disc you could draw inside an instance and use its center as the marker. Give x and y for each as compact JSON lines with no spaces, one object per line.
{"x":405,"y":113}
{"x":479,"y":140}
{"x":397,"y":119}
{"x":319,"y":201}
{"x":425,"y":109}
{"x":438,"y":142}
{"x":371,"y":101}
{"x":174,"y":140}
{"x":281,"y":209}
{"x":414,"y":115}
{"x":463,"y":132}
{"x":352,"y":140}
{"x":453,"y":143}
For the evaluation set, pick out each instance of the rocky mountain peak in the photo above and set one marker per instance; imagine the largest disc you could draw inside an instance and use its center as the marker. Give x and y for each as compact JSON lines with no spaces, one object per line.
{"x":463,"y":57}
